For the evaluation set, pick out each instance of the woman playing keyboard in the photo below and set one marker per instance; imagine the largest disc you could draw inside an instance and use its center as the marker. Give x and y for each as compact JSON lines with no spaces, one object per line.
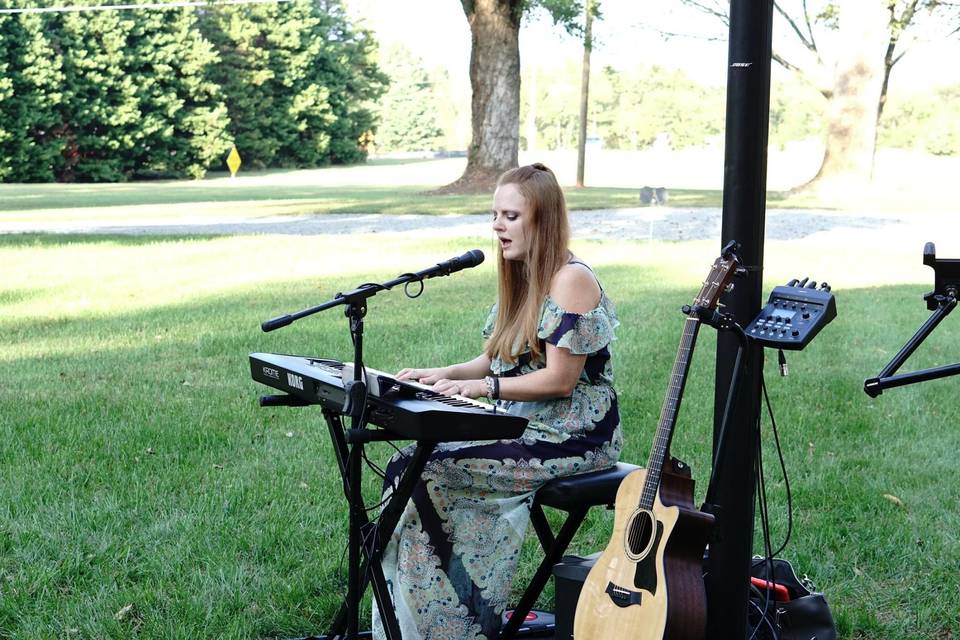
{"x":451,"y":560}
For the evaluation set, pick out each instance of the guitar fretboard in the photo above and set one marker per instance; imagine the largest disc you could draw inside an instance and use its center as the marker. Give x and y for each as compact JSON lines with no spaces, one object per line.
{"x":669,"y":411}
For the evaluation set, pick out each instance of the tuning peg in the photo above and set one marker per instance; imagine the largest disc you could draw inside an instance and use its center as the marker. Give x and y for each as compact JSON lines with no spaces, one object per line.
{"x":728,"y":288}
{"x":740,"y":272}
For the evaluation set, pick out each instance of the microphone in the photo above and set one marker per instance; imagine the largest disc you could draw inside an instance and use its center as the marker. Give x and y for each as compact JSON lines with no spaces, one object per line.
{"x":467,"y":261}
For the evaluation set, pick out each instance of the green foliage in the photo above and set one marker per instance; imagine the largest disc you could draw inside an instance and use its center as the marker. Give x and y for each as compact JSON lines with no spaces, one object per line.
{"x":100,"y":113}
{"x":925,"y":122}
{"x":297,"y":81}
{"x":31,"y":83}
{"x":181,"y":130}
{"x":556,"y":112}
{"x":635,"y":109}
{"x":565,"y":13}
{"x":409,"y":110}
{"x":113,"y":95}
{"x":106,"y":96}
{"x":632,"y":110}
{"x":796,"y":111}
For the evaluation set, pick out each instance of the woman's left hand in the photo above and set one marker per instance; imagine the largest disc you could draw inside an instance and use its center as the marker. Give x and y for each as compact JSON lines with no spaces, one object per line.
{"x":465,"y":388}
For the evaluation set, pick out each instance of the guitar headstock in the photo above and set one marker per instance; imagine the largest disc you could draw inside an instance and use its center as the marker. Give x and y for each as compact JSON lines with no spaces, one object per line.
{"x":723,"y":270}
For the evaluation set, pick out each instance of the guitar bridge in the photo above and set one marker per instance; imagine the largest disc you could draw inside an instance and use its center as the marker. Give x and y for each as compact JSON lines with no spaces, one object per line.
{"x":621,"y":596}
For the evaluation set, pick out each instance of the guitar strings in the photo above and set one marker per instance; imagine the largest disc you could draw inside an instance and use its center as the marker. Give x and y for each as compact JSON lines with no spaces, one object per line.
{"x":668,"y":413}
{"x":662,"y":439}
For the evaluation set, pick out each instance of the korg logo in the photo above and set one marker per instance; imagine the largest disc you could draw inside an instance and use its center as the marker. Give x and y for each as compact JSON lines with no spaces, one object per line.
{"x":295,"y":381}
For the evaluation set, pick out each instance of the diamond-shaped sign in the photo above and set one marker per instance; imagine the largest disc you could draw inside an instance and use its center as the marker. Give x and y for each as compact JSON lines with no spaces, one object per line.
{"x":233,"y":161}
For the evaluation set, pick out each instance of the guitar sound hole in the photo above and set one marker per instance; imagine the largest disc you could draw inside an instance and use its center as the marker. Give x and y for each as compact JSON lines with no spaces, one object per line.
{"x":640,"y":534}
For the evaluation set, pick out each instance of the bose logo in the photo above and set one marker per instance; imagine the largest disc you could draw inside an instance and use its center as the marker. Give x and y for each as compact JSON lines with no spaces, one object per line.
{"x":271,"y":373}
{"x":743,"y":65}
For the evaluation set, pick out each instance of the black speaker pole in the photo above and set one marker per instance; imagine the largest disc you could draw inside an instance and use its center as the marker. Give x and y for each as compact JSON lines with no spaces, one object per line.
{"x":744,"y":207}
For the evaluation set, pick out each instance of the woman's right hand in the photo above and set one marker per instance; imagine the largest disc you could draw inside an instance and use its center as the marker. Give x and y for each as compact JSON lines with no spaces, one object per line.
{"x":424,"y":376}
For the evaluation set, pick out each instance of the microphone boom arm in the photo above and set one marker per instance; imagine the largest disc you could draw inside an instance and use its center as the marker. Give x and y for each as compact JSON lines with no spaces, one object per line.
{"x":941,"y":301}
{"x":357,"y":297}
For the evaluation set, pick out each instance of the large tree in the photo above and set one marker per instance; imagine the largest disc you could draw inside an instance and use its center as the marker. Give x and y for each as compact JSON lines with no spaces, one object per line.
{"x":847,"y":52}
{"x":495,"y":81}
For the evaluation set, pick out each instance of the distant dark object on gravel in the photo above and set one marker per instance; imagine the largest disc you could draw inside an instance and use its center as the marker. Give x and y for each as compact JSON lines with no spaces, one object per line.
{"x":649,"y":195}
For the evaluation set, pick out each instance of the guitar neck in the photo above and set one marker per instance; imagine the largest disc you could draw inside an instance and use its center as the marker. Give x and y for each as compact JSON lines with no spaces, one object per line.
{"x":669,"y":412}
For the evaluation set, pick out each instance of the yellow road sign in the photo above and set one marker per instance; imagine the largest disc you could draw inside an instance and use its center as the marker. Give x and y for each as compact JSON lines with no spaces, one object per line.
{"x":233,"y":161}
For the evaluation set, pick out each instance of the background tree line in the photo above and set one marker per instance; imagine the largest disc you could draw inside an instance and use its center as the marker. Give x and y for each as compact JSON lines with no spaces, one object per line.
{"x":636,"y":108}
{"x":844,"y":52}
{"x":115,"y":95}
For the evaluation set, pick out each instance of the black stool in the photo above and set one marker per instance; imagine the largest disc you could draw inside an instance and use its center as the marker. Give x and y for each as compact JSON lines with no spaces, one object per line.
{"x":575,"y":495}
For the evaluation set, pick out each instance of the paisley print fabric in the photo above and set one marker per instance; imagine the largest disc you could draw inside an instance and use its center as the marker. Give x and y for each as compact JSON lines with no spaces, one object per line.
{"x":450,"y":563}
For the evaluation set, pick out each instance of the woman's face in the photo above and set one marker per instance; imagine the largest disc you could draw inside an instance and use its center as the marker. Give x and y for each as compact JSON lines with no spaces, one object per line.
{"x":511,"y":221}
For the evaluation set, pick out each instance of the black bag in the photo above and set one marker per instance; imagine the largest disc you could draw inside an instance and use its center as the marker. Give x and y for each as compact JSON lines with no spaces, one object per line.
{"x":805,"y":616}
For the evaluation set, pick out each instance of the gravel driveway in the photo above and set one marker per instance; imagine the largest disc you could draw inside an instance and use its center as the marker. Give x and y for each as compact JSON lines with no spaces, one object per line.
{"x":656,"y":223}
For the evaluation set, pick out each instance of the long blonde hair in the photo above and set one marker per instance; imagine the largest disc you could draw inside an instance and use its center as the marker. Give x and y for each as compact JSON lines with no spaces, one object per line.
{"x":523,"y":285}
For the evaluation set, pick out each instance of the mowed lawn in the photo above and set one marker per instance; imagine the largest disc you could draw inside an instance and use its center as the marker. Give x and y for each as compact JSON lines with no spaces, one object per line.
{"x":379,"y":186}
{"x":693,"y":178}
{"x":143,"y":492}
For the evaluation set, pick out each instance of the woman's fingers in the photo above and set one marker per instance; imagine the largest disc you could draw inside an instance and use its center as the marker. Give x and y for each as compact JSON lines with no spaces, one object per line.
{"x":409,"y":374}
{"x":447,"y":387}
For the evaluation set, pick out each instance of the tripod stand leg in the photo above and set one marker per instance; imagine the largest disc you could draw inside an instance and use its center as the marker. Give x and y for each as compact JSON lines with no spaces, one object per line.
{"x":369,"y":543}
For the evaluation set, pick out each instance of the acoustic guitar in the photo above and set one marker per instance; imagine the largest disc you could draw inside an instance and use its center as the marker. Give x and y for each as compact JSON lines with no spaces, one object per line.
{"x":648,"y":582}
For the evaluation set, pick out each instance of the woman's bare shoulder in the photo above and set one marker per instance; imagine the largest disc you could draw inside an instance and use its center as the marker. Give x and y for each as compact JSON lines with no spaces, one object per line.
{"x":575,"y":288}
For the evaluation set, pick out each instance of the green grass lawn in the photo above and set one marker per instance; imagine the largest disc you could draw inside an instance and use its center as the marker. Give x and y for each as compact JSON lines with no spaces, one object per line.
{"x":379,"y":186}
{"x":144,"y":494}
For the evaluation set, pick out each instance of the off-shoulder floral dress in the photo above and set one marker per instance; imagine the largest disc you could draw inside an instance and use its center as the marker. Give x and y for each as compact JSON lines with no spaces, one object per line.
{"x":450,"y":563}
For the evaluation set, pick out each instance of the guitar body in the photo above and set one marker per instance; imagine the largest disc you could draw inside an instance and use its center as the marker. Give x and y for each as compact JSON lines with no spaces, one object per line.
{"x":650,"y":588}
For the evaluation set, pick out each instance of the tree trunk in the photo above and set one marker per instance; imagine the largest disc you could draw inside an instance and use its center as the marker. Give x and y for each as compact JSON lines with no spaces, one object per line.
{"x":495,"y":80}
{"x":852,"y":113}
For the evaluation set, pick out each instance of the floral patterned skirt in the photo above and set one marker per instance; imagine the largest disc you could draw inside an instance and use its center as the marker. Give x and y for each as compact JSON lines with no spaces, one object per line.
{"x":450,"y":562}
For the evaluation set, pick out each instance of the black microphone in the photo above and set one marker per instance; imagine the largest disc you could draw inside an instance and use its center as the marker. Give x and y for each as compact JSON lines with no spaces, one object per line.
{"x":468,"y":260}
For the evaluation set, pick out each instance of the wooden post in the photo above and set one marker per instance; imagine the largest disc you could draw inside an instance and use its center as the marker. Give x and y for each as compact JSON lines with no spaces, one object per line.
{"x":584,"y":91}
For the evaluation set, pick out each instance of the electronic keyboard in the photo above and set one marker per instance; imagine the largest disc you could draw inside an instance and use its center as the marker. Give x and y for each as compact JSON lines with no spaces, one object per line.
{"x":407,"y":409}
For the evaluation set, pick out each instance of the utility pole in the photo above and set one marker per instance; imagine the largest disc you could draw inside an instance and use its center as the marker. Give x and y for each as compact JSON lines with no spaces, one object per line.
{"x":584,"y":90}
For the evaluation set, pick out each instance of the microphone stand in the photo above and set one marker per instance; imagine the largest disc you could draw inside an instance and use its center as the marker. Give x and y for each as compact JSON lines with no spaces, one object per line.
{"x":349,"y":448}
{"x":352,"y":444}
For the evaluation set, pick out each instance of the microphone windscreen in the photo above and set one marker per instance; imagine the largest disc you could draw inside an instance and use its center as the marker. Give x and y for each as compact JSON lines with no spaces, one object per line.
{"x":473,"y":257}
